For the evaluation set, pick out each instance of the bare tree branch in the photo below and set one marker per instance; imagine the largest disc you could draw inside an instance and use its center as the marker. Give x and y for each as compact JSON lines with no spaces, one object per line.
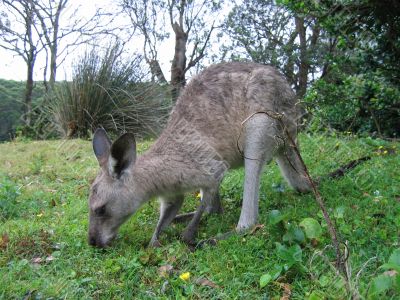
{"x":53,"y":35}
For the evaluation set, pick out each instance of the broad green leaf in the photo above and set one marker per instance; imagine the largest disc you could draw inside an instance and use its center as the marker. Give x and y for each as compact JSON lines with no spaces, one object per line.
{"x":274,"y":217}
{"x":283,"y":253}
{"x":391,"y":267}
{"x":324,"y":280}
{"x":265,"y":279}
{"x":280,"y":248}
{"x":289,"y":255}
{"x":294,"y":234}
{"x":380,"y":284}
{"x":276,"y":271}
{"x":393,"y":262}
{"x":296,"y":252}
{"x":312,"y":228}
{"x":315,"y":296}
{"x":339,"y":212}
{"x":395,"y":258}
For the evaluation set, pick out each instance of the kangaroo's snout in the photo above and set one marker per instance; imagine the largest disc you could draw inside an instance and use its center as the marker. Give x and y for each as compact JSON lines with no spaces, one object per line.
{"x":96,"y":240}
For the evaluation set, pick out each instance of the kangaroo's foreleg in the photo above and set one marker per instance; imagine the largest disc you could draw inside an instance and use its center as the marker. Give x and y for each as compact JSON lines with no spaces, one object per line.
{"x":169,"y":207}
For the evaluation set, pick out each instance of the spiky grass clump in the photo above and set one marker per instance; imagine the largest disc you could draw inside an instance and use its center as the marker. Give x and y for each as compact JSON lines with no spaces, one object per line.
{"x":106,"y":92}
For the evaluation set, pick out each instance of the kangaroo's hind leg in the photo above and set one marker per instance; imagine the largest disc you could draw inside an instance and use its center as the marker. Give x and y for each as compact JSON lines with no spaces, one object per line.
{"x":208,"y":202}
{"x":259,"y":147}
{"x":213,"y":205}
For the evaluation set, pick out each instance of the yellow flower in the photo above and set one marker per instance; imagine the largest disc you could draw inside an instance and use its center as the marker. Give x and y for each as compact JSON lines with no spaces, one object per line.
{"x":185,"y":276}
{"x":198,"y":195}
{"x":39,"y":215}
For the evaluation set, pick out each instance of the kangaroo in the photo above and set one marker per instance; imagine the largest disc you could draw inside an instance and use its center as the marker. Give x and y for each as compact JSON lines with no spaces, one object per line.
{"x":215,"y":125}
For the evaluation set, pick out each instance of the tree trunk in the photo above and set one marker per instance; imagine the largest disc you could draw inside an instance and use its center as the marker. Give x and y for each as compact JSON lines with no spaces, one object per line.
{"x":156,"y":71}
{"x":30,"y":63}
{"x":304,"y":64}
{"x":53,"y":65}
{"x":54,"y":45}
{"x":179,"y":62}
{"x":29,"y":89}
{"x":289,"y":67}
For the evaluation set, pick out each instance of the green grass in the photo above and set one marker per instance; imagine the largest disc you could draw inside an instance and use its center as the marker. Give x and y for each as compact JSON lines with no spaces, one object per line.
{"x":44,"y":215}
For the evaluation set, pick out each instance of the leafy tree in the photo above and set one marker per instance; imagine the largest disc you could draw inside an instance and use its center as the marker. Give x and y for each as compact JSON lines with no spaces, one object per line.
{"x":270,"y":33}
{"x":370,"y":27}
{"x":361,"y":93}
{"x":188,"y":21}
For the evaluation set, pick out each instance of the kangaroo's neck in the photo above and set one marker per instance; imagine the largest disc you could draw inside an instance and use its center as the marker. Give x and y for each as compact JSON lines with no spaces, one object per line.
{"x":156,"y":174}
{"x":177,"y":163}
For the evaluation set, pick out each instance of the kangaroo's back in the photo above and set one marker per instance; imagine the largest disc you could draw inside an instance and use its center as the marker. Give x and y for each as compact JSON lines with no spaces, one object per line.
{"x":216,"y":102}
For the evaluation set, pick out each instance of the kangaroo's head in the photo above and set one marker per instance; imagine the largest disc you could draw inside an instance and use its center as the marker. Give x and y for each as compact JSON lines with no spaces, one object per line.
{"x":112,"y":198}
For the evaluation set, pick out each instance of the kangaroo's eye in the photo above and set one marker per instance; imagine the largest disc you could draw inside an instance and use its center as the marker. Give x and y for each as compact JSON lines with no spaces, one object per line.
{"x":100,"y":211}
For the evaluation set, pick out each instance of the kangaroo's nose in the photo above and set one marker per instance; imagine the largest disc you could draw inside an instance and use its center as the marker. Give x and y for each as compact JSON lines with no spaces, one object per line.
{"x":93,"y":241}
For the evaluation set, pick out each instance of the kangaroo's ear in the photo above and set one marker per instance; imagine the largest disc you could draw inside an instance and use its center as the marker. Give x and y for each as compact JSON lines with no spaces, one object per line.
{"x":101,"y":146}
{"x":123,"y":154}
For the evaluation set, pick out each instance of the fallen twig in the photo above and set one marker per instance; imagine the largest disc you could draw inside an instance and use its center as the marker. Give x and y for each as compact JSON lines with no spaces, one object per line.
{"x":339,"y":172}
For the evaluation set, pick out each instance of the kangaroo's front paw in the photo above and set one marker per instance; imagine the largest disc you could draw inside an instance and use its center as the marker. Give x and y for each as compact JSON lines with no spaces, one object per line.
{"x":188,"y":236}
{"x":243,"y":227}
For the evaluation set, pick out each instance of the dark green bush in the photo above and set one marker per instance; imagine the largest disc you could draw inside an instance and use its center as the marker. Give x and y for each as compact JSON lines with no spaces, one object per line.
{"x":12,"y":111}
{"x":364,"y":103}
{"x":11,"y":107}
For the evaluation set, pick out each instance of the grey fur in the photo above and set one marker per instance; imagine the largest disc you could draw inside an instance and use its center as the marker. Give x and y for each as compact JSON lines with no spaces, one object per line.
{"x":206,"y":132}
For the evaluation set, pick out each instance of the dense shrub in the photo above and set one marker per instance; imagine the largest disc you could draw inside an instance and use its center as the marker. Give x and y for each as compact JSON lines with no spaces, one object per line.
{"x":109,"y":93}
{"x":364,"y":103}
{"x":12,"y":108}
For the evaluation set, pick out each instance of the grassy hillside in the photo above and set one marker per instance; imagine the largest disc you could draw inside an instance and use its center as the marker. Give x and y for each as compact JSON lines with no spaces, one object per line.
{"x":44,"y":218}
